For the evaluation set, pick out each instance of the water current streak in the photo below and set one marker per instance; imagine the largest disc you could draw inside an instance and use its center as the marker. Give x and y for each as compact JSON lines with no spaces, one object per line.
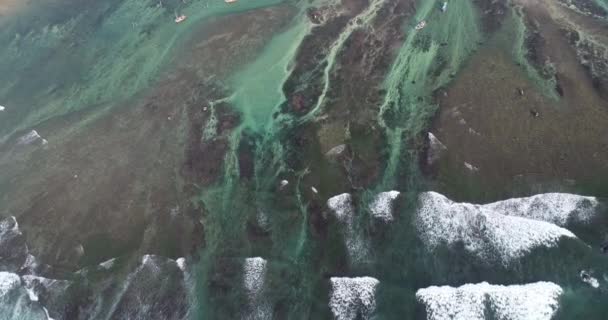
{"x":426,"y":61}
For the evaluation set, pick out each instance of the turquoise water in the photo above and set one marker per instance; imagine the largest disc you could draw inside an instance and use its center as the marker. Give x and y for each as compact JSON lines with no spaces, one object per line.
{"x":425,"y":63}
{"x":94,"y":57}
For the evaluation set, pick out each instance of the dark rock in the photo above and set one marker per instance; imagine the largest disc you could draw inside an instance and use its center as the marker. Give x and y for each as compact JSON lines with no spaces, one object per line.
{"x":534,"y":113}
{"x":314,"y":15}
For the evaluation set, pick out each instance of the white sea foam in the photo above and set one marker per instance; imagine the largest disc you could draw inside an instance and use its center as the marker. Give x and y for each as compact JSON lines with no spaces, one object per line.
{"x":2,"y":108}
{"x":353,"y":296}
{"x":488,"y":235}
{"x":537,"y":301}
{"x":588,"y":279}
{"x":34,"y":284}
{"x":254,"y":274}
{"x":436,"y":149}
{"x":18,"y":301}
{"x":31,"y":264}
{"x":382,"y":206}
{"x":46,"y":313}
{"x":181,"y":263}
{"x":254,"y":278}
{"x":151,"y":263}
{"x":283,"y":183}
{"x":557,"y":208}
{"x":262,"y":219}
{"x":336,"y":151}
{"x":174,"y":212}
{"x":471,"y":167}
{"x":9,"y":225}
{"x":592,"y":282}
{"x":342,"y":208}
{"x":134,"y":290}
{"x":108,"y":264}
{"x":29,"y":138}
{"x":32,"y":294}
{"x":15,"y":225}
{"x":8,"y":282}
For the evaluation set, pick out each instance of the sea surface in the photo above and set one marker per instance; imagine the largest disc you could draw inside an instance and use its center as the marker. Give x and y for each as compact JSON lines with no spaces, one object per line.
{"x":318,"y":159}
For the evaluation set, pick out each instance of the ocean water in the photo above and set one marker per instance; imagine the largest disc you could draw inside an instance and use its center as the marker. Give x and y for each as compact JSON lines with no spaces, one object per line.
{"x":288,"y":232}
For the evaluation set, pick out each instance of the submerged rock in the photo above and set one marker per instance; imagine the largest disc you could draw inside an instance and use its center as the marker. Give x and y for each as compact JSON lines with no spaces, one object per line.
{"x":314,"y":15}
{"x":537,"y":301}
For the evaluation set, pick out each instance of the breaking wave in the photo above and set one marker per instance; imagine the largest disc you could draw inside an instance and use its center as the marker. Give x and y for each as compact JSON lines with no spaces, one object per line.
{"x":353,"y":297}
{"x":382,"y":206}
{"x":254,"y":278}
{"x":342,"y":208}
{"x":538,"y":301}
{"x":557,"y":208}
{"x":485,"y":233}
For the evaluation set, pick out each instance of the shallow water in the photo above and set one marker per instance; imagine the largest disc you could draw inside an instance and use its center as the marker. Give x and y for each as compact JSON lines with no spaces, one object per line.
{"x":206,"y":141}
